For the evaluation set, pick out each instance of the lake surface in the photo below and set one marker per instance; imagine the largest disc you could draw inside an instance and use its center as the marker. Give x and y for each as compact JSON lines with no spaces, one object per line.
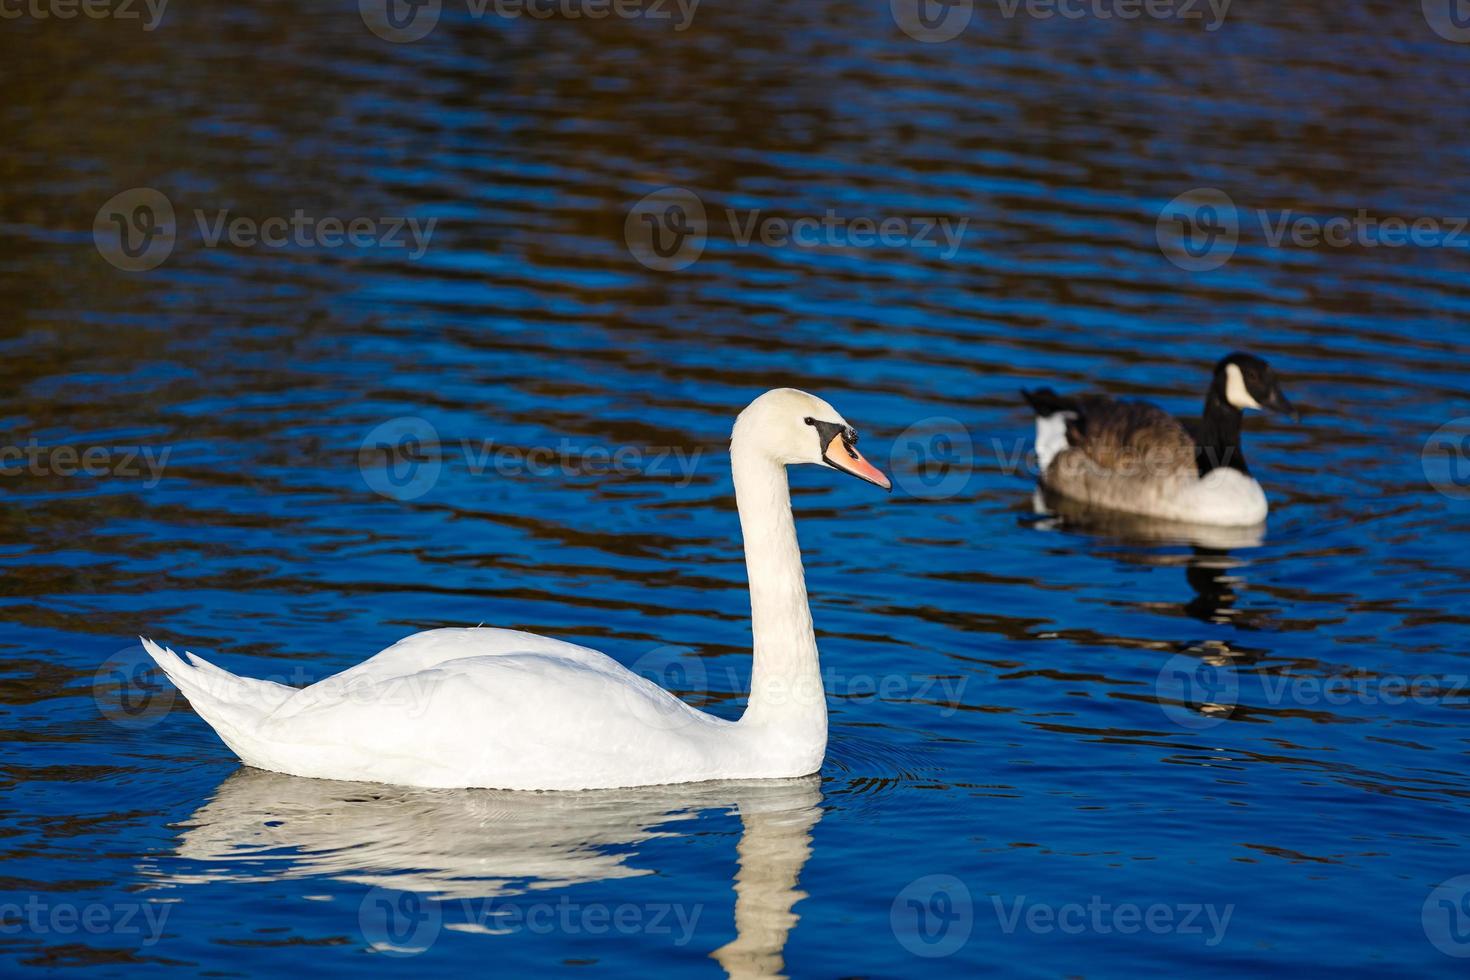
{"x":1055,"y":749}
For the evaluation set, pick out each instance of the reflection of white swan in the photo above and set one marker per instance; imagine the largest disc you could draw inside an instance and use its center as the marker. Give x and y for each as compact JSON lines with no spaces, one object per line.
{"x":471,"y":844}
{"x":774,"y":846}
{"x":499,"y":708}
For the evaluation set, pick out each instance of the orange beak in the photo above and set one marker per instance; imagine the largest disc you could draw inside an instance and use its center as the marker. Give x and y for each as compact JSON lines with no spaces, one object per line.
{"x":839,"y":454}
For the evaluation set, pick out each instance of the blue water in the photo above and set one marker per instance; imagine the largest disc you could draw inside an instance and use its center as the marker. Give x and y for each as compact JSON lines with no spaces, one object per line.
{"x":1056,"y":748}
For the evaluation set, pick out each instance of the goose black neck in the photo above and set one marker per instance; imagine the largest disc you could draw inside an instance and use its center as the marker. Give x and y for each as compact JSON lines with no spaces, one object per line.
{"x":1219,"y":435}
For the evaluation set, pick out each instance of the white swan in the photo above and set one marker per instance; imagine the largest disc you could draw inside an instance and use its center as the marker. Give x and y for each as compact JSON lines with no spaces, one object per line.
{"x":503,"y":709}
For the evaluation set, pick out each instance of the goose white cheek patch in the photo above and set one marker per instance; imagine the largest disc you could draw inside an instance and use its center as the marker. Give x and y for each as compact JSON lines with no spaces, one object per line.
{"x":1236,"y":392}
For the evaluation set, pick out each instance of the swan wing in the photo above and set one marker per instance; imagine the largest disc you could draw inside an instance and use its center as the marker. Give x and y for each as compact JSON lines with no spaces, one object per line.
{"x":513,"y":720}
{"x":433,"y":647}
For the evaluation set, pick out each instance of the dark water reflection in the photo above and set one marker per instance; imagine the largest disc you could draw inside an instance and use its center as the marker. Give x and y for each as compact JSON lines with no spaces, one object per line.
{"x":1011,"y":701}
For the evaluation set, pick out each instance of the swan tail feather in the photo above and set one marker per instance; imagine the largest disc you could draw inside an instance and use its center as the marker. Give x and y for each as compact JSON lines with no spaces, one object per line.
{"x":232,"y":705}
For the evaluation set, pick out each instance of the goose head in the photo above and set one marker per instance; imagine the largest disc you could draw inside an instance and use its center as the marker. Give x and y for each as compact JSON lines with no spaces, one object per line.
{"x":1246,"y":381}
{"x":788,"y":426}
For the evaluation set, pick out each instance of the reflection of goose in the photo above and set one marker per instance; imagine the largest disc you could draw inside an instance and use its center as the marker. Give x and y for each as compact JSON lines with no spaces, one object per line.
{"x":1134,"y":457}
{"x":1140,"y":529}
{"x":499,"y":708}
{"x":1210,"y":575}
{"x":1209,"y":569}
{"x":472,"y":844}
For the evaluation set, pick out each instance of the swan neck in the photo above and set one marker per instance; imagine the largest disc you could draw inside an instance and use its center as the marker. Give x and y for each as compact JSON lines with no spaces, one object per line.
{"x":786,"y":684}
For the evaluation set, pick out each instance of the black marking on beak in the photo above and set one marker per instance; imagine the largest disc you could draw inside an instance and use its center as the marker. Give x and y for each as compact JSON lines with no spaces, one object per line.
{"x":827,"y":431}
{"x":830,"y":433}
{"x":1277,"y":402}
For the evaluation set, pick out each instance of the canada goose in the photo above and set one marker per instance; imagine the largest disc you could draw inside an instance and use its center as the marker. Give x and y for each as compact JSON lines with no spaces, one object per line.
{"x":1134,"y":457}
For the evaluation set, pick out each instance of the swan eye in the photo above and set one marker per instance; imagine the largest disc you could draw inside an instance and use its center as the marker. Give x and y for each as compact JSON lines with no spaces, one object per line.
{"x":809,"y":420}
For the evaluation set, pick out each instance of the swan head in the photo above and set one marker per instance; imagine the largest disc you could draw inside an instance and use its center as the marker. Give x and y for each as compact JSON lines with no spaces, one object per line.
{"x":789,"y":426}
